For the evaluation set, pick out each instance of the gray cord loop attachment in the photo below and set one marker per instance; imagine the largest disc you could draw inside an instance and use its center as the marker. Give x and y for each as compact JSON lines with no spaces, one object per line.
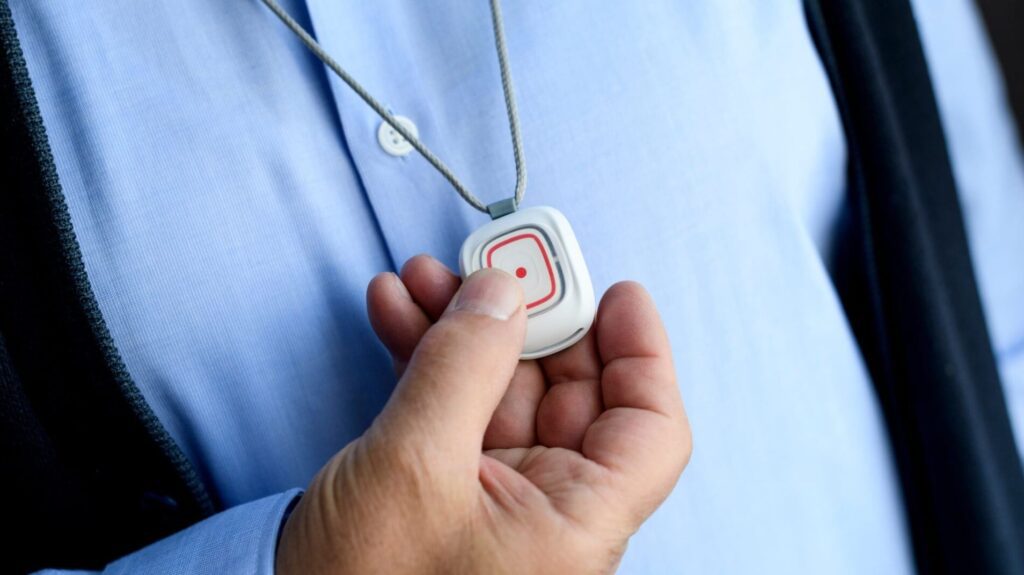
{"x":385,"y":114}
{"x":502,"y":207}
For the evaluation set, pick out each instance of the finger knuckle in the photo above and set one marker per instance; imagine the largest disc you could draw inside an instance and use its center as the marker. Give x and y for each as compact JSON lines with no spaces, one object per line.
{"x":686,"y":444}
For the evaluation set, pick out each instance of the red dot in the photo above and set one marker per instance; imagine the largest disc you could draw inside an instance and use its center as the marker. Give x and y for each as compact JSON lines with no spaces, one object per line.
{"x":520,"y":272}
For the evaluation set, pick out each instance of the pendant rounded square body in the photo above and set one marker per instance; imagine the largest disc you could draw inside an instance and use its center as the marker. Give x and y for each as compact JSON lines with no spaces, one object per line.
{"x":538,"y":247}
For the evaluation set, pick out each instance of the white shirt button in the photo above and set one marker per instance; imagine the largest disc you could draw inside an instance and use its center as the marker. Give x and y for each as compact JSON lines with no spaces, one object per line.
{"x":393,"y":142}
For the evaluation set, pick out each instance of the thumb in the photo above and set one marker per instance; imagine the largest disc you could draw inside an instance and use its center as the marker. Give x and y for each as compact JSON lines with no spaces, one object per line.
{"x":460,"y":370}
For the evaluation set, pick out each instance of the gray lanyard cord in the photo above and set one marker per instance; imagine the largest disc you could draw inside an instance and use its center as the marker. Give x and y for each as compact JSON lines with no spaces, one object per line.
{"x":496,"y":209}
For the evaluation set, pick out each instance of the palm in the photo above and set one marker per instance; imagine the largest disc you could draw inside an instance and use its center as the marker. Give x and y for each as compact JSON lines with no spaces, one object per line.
{"x":555,"y":431}
{"x":556,"y":473}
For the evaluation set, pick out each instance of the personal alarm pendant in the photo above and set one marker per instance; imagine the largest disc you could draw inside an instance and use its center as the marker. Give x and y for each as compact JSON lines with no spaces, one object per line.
{"x":535,"y":245}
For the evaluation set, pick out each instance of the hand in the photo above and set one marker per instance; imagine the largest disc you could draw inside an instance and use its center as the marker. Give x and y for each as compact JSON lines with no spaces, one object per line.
{"x":481,"y":463}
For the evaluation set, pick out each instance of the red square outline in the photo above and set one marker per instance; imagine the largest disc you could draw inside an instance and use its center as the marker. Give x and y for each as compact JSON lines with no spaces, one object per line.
{"x":547,"y":262}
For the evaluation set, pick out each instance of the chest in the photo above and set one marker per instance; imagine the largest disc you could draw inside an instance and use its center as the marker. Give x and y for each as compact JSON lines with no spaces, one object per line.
{"x":232,"y":199}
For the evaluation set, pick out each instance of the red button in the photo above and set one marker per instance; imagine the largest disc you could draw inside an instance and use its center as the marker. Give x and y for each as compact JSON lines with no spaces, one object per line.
{"x":525,"y":254}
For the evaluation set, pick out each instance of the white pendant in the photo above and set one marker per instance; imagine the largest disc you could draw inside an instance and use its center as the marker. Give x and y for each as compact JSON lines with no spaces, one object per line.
{"x":538,"y":246}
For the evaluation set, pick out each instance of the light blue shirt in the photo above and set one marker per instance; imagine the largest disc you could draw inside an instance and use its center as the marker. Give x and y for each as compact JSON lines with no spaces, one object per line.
{"x":232,"y":202}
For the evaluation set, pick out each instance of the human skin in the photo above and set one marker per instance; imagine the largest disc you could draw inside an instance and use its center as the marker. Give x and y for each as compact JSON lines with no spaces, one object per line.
{"x":482,"y":463}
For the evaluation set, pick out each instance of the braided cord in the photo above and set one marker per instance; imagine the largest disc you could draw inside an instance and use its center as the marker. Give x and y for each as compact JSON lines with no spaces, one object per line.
{"x":506,"y":85}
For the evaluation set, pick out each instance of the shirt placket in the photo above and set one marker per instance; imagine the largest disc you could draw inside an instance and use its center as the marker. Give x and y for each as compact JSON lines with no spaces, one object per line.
{"x":416,"y":209}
